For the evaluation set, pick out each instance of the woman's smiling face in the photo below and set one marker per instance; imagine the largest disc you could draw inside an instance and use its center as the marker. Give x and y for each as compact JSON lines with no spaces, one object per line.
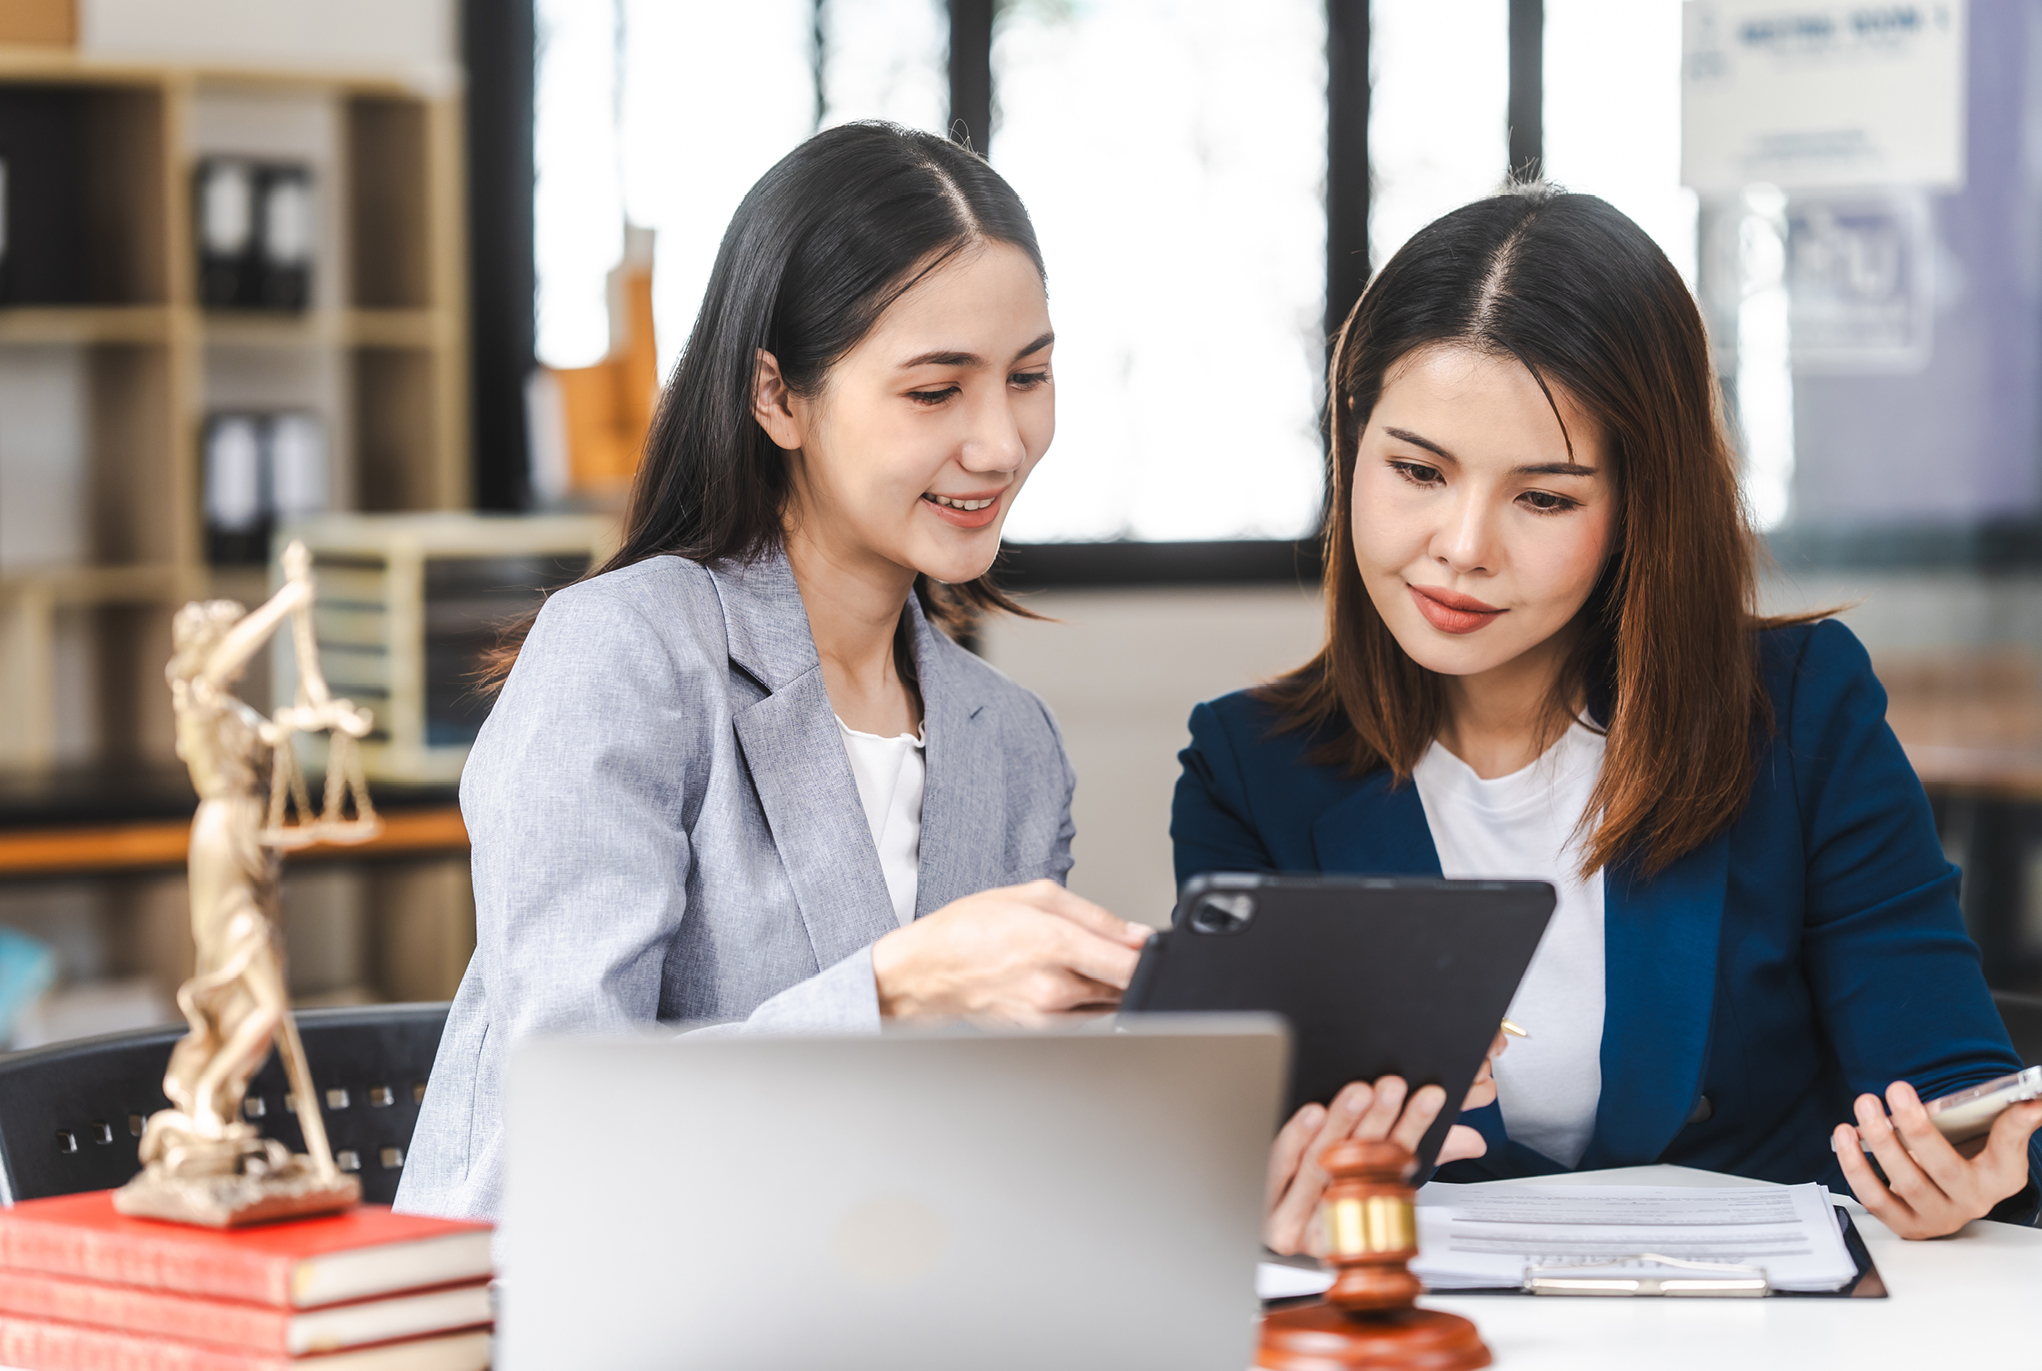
{"x":926,"y":430}
{"x":1479,"y":531}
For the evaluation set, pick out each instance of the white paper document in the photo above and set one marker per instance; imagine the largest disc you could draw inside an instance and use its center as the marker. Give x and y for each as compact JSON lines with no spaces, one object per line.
{"x":1285,"y":1281}
{"x":1473,"y":1237}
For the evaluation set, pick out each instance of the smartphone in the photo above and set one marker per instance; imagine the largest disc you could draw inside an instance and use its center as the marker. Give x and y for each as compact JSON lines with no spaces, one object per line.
{"x":1969,"y":1113}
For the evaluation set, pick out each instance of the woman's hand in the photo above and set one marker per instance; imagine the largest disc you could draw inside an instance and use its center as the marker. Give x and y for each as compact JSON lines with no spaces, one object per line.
{"x":1297,"y":1171}
{"x":1483,"y":1090}
{"x":1932,"y":1188}
{"x":1297,"y":1174}
{"x":1023,"y":954}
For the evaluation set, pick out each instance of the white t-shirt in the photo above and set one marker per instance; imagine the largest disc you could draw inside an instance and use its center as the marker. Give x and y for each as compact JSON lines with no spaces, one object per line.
{"x":1523,"y":826}
{"x":890,"y":773}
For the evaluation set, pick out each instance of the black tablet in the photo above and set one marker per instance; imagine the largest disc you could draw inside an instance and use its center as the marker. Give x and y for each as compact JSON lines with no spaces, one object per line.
{"x":1378,"y":976}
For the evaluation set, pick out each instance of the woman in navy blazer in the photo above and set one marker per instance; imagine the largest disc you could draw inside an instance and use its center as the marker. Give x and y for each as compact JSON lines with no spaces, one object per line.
{"x":1536,"y":529}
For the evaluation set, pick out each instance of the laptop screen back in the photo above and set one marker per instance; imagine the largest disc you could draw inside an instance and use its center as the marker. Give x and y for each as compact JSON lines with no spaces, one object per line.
{"x":896,"y":1201}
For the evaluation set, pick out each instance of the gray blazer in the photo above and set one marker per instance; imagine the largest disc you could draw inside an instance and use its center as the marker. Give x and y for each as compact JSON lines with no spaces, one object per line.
{"x":666,"y":829}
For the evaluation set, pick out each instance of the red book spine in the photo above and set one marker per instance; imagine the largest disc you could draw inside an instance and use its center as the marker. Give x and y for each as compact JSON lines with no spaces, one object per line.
{"x":221,"y":1272}
{"x":81,"y":1237}
{"x":44,"y":1346}
{"x":250,"y":1327}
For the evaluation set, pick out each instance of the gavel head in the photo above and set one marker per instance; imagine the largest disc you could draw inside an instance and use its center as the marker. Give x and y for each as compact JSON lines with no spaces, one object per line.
{"x":1371,"y":1227}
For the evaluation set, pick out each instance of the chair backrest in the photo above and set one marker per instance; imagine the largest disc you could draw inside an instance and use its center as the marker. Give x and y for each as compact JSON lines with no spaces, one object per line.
{"x":2022,"y":1015}
{"x":71,"y":1114}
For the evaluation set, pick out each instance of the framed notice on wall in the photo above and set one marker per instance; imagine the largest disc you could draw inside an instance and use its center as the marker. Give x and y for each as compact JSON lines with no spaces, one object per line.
{"x":1810,"y":96}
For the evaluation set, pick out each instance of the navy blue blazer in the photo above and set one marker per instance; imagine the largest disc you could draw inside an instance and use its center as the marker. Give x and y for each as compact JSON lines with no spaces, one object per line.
{"x":1811,"y":952}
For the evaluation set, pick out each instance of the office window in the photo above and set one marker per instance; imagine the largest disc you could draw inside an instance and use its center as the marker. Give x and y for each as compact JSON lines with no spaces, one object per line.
{"x":1438,"y":117}
{"x":663,"y":114}
{"x":1173,"y":156}
{"x":886,"y":59}
{"x":577,"y":206}
{"x":713,"y":96}
{"x":1612,"y":113}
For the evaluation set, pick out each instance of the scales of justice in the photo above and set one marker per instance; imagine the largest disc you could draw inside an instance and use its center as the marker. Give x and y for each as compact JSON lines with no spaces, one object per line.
{"x":203,"y":1163}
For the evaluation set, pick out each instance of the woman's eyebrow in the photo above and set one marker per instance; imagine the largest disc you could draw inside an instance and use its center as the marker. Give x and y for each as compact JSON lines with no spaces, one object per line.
{"x":1407,"y":436}
{"x":944,"y":359}
{"x":1535,"y":469}
{"x":970,"y":359}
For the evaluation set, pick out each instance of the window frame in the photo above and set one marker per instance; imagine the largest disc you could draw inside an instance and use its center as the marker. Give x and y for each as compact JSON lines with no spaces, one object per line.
{"x":1131,"y":563}
{"x":503,"y":466}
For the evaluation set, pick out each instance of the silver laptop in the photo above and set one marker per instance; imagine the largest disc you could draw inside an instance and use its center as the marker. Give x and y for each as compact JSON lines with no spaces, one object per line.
{"x":944,"y":1199}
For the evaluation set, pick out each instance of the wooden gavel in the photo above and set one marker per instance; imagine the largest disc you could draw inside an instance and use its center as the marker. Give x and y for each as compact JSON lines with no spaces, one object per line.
{"x":1369,"y":1318}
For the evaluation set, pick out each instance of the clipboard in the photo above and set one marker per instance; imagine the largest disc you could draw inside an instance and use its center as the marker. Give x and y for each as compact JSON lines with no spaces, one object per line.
{"x":1735,"y":1282}
{"x":1868,"y":1284}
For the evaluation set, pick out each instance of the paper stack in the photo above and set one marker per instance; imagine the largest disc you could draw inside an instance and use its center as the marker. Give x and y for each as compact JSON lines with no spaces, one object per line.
{"x":1485,"y":1237}
{"x":83,"y":1288}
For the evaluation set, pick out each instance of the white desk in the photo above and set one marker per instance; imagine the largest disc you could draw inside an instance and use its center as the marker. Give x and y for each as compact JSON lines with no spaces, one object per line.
{"x":1955,"y":1304}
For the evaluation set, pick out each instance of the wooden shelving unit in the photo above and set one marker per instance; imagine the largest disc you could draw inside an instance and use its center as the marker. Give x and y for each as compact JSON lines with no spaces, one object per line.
{"x":380,"y":355}
{"x":94,"y":808}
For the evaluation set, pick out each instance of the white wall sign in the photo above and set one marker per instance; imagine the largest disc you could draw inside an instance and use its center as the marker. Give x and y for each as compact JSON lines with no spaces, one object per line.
{"x":1810,"y":95}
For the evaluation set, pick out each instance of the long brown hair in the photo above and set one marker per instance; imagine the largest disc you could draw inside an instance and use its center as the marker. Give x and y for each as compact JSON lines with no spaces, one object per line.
{"x":832,"y":235}
{"x":1579,"y":295}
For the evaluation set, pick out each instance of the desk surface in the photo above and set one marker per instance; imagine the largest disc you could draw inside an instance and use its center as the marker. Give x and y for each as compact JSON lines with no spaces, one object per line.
{"x":1961,"y":1302}
{"x":1956,"y":1304}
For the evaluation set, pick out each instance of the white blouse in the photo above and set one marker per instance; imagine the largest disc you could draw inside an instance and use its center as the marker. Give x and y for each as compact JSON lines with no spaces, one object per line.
{"x":1523,"y":825}
{"x":890,"y":773}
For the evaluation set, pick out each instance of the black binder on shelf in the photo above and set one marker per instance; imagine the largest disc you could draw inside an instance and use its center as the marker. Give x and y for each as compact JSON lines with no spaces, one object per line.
{"x":223,"y":202}
{"x":284,"y":237}
{"x":256,"y":229}
{"x":259,"y":468}
{"x":42,"y":148}
{"x":238,"y":518}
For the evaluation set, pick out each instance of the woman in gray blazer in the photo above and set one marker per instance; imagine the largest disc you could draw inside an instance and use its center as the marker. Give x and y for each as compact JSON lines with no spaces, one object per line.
{"x":741,"y":775}
{"x":666,"y":819}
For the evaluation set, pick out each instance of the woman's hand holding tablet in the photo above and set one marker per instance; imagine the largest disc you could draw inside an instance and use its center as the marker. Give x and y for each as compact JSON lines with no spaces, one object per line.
{"x":1297,"y":1174}
{"x":1932,"y":1187}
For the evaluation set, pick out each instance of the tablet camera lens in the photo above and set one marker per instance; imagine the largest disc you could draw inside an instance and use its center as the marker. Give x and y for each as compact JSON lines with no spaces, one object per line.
{"x":1222,"y":913}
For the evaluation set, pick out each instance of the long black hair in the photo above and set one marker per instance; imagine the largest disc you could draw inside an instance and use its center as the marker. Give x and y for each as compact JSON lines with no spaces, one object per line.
{"x":1581,"y":297}
{"x":838,"y":230}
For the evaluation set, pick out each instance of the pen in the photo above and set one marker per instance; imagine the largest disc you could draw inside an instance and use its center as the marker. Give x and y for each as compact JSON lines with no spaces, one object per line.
{"x":1513,"y":1030}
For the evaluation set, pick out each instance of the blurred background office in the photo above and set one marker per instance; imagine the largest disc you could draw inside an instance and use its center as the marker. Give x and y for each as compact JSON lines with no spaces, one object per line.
{"x":401,"y":276}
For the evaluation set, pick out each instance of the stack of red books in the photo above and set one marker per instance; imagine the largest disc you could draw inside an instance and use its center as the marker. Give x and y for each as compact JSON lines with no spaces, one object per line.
{"x":83,"y":1288}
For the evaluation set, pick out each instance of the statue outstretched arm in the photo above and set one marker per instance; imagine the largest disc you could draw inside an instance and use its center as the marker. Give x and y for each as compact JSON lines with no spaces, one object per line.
{"x":241,"y":642}
{"x":315,"y":708}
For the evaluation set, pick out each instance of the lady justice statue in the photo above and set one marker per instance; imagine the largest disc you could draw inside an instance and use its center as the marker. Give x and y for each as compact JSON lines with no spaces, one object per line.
{"x":203,"y":1163}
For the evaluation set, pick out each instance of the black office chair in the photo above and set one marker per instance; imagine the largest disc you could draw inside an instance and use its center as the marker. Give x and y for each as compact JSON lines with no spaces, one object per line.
{"x":71,"y":1114}
{"x":2022,"y":1015}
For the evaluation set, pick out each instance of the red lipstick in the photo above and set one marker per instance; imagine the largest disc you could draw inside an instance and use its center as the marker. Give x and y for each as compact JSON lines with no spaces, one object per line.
{"x":1451,"y":612}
